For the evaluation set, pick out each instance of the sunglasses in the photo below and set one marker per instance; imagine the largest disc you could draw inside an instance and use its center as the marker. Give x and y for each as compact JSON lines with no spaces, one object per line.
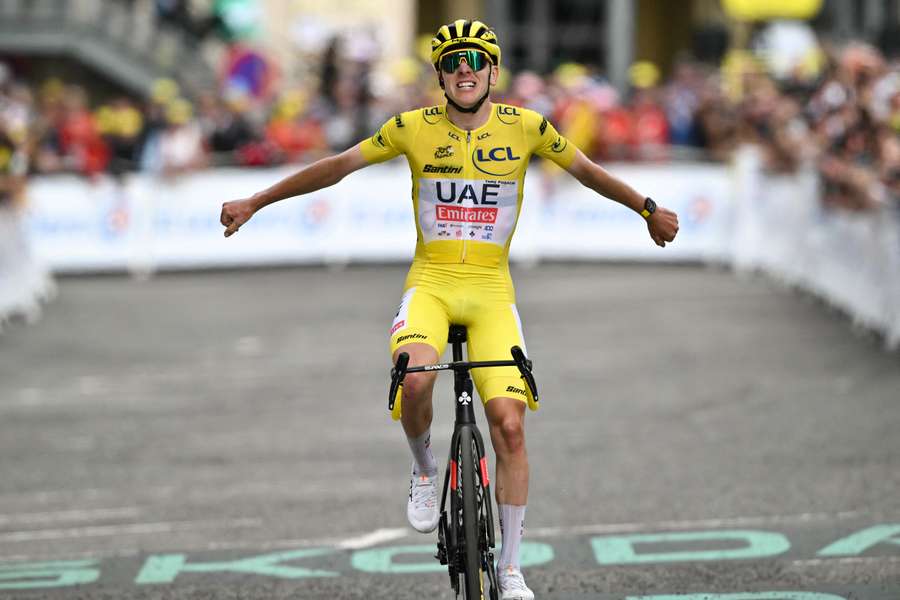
{"x":476,"y":59}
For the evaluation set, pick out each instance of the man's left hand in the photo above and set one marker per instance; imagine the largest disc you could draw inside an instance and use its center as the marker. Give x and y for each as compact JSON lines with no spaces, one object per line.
{"x":663,"y":225}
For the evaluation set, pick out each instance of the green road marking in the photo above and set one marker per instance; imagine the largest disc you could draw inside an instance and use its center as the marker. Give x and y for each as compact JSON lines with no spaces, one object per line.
{"x":619,"y":549}
{"x":381,"y":560}
{"x":861,"y":541}
{"x":49,"y":574}
{"x":744,"y":596}
{"x":532,"y":554}
{"x":608,"y":550}
{"x":163,"y":568}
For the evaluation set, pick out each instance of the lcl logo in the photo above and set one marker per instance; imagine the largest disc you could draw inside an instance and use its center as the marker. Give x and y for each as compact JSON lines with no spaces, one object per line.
{"x":495,"y":154}
{"x":483,"y":158}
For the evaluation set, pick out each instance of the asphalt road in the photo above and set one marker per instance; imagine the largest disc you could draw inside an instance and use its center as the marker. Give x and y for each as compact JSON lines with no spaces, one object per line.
{"x":225,"y":435}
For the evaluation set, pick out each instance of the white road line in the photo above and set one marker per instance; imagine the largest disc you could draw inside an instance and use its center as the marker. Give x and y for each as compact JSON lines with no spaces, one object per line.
{"x":353,"y":542}
{"x":212,"y":490}
{"x":50,"y":495}
{"x":32,"y":558}
{"x":681,"y":525}
{"x":371,"y":539}
{"x":70,"y":515}
{"x":131,"y":529}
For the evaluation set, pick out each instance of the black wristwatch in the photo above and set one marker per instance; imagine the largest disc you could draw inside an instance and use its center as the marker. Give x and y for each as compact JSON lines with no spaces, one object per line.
{"x":649,"y":208}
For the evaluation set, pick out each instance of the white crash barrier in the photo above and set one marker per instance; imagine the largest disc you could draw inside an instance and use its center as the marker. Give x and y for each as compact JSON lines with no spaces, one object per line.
{"x":147,"y":224}
{"x":24,"y":282}
{"x":733,"y":214}
{"x":851,"y":260}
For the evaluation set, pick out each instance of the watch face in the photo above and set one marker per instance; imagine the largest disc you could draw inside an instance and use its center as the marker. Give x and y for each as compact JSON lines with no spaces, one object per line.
{"x":649,"y":205}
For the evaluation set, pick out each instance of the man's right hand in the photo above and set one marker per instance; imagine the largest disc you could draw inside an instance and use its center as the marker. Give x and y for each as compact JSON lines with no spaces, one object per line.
{"x":235,"y":214}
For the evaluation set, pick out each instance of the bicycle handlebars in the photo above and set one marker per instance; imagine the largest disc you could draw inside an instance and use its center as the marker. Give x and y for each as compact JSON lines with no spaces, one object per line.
{"x":399,"y":371}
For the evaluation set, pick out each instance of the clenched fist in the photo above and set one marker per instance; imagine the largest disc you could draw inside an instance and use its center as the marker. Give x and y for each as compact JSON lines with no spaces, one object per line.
{"x":663,"y":225}
{"x":235,"y":214}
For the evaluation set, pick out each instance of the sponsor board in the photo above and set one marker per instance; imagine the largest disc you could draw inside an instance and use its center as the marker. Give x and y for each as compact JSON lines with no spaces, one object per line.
{"x":150,"y":224}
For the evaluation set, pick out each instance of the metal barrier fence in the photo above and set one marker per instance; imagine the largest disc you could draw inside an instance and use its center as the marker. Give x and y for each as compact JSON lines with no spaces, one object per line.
{"x":24,"y":282}
{"x":737,"y":215}
{"x":850,"y":260}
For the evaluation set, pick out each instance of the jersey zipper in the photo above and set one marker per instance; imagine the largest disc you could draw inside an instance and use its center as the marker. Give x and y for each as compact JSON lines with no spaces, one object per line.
{"x":466,"y":232}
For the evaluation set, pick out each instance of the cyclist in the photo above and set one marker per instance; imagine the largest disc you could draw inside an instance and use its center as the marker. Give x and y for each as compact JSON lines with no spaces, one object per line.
{"x":468,"y":160}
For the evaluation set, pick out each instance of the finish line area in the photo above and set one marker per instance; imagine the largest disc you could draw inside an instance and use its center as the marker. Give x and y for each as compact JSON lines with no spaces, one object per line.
{"x":701,"y":437}
{"x":325,"y":566}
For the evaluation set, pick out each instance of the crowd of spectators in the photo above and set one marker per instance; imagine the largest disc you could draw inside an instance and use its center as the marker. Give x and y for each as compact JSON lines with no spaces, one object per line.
{"x":838,"y":110}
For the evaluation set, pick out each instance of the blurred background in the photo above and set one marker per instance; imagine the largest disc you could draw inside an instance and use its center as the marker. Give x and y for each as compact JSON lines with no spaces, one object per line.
{"x":116,"y":116}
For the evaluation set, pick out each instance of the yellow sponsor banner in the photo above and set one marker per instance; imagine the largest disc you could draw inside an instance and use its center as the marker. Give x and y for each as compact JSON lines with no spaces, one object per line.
{"x":760,"y":10}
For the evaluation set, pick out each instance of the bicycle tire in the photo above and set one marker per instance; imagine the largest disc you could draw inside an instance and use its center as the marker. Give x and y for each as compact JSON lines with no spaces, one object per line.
{"x":471,"y":554}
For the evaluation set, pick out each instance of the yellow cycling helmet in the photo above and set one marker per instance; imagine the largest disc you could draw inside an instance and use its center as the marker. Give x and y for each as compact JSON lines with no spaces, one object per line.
{"x":464,"y":34}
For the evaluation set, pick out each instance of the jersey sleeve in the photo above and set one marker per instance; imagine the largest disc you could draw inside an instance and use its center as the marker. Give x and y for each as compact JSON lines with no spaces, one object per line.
{"x":386,"y":143}
{"x":546,"y":142}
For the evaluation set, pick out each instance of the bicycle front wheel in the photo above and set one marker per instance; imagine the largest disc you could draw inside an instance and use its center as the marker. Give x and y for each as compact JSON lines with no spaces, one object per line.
{"x":467,"y":454}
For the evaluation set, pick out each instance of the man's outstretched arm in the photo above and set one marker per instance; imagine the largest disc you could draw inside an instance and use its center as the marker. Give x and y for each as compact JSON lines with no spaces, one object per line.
{"x":662,"y":224}
{"x":320,"y":174}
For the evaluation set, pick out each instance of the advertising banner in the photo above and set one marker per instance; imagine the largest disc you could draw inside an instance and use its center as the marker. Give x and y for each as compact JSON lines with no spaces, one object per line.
{"x":146,"y":223}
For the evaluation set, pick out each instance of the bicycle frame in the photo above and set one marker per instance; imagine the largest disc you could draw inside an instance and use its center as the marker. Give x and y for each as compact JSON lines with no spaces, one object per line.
{"x":450,"y":552}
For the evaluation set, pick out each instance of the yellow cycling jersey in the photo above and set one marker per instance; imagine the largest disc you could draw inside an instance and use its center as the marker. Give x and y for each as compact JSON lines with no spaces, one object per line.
{"x":467,"y":185}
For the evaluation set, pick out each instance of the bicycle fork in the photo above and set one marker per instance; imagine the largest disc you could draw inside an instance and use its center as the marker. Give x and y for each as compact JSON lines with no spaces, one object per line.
{"x":449,"y":547}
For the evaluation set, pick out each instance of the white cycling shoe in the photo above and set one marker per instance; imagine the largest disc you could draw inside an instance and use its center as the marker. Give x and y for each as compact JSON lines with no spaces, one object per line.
{"x":512,"y":584}
{"x":422,"y":506}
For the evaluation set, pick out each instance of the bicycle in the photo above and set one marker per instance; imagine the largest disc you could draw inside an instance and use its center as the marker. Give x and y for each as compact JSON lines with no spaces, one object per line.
{"x":466,"y":536}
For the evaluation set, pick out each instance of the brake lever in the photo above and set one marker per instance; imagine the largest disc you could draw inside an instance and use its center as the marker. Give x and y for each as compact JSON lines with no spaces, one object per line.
{"x":525,"y":365}
{"x":398,"y":373}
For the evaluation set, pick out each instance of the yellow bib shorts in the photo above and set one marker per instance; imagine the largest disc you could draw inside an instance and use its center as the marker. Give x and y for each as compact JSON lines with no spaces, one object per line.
{"x":480,"y":298}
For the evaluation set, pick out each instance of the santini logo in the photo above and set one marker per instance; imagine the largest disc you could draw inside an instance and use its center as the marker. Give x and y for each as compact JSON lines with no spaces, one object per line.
{"x":412,"y":336}
{"x":441,"y":169}
{"x":515,"y":390}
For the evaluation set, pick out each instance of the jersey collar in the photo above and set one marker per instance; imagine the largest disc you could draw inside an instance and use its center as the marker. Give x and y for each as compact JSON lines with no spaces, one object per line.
{"x":491,"y":116}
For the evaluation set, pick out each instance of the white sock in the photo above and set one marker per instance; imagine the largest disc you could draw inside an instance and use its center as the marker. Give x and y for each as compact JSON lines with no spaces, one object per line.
{"x":421,"y":450}
{"x":512,"y":528}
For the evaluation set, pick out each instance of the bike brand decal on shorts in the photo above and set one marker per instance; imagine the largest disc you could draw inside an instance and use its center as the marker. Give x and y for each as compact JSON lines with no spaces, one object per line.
{"x":411,"y":336}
